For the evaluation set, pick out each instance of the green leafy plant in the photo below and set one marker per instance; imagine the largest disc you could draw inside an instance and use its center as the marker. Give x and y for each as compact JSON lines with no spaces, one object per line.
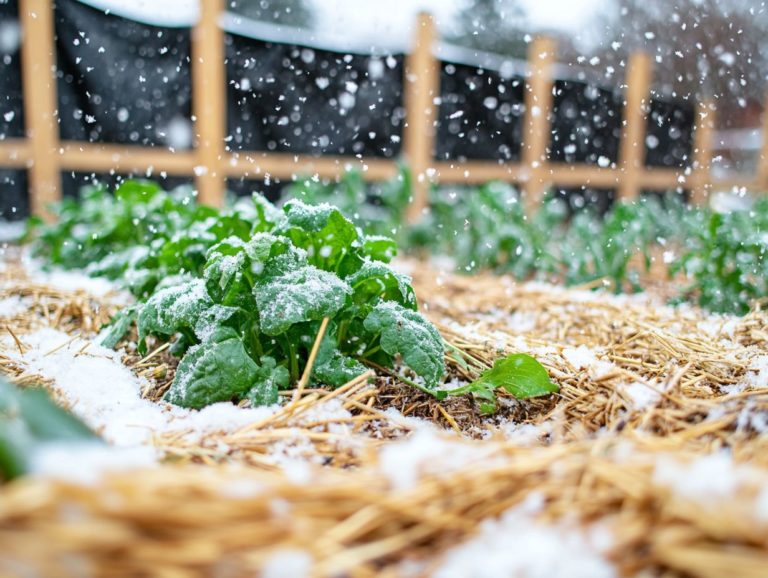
{"x":246,"y":327}
{"x":518,"y":374}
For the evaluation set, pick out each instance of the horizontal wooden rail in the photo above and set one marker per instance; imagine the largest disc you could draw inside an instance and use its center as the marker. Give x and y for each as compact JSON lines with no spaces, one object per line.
{"x":286,"y":166}
{"x":87,"y":157}
{"x":15,"y":153}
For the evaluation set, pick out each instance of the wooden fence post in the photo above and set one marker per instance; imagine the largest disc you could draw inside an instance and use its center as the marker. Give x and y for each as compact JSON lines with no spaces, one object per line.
{"x":38,"y":68}
{"x":209,"y":84}
{"x":703,"y":135}
{"x":422,"y":86}
{"x":634,"y":118}
{"x":761,"y":178}
{"x":537,"y":130}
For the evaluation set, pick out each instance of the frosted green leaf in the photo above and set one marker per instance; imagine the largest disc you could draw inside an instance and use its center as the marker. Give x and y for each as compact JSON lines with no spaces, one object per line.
{"x":407,"y":333}
{"x":173,"y":310}
{"x":306,"y":294}
{"x":219,"y":369}
{"x":379,"y":248}
{"x":376,"y":281}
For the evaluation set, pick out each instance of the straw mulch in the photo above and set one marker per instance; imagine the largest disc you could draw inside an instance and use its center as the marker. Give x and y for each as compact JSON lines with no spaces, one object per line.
{"x":220,"y":506}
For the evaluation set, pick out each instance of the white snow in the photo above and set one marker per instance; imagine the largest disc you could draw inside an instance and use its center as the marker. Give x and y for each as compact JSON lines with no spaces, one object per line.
{"x":85,"y":463}
{"x":181,"y":13}
{"x":710,"y":479}
{"x":106,"y":395}
{"x":582,"y":357}
{"x":640,"y":395}
{"x":520,"y":546}
{"x":12,"y":306}
{"x":11,"y":231}
{"x":73,"y":281}
{"x":403,"y":463}
{"x":288,"y":563}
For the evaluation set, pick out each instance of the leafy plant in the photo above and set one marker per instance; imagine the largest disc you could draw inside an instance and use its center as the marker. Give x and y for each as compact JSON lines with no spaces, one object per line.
{"x":518,"y":374}
{"x":245,"y":329}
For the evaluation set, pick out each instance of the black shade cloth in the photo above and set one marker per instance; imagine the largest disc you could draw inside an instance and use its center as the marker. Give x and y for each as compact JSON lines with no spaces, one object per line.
{"x":586,"y":123}
{"x":480,"y":115}
{"x":669,"y":133}
{"x":293,"y":99}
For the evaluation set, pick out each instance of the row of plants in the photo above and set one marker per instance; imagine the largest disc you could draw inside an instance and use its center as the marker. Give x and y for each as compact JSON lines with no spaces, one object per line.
{"x":718,"y":259}
{"x":242,"y":294}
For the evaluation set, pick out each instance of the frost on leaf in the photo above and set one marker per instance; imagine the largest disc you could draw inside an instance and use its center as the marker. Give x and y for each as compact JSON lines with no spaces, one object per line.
{"x":329,"y":238}
{"x":173,"y":310}
{"x":379,"y":248}
{"x":306,"y":294}
{"x":218,"y":369}
{"x":407,"y":333}
{"x":376,"y":280}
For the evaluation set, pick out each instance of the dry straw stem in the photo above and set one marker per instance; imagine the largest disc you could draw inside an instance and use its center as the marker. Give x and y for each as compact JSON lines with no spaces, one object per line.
{"x":220,"y":504}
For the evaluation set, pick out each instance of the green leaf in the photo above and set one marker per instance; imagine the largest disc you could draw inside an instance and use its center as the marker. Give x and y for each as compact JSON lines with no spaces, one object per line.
{"x":375,"y":282}
{"x":408,"y":334}
{"x":332,"y":367}
{"x":173,"y":310}
{"x":518,"y":374}
{"x":329,"y":238}
{"x":379,"y":248}
{"x":307,"y":294}
{"x":112,"y":333}
{"x":219,"y":369}
{"x":270,"y":379}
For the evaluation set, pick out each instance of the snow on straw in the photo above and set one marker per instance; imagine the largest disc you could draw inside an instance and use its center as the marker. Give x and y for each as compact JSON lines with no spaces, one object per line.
{"x":105,"y":394}
{"x":403,"y":463}
{"x":517,"y":544}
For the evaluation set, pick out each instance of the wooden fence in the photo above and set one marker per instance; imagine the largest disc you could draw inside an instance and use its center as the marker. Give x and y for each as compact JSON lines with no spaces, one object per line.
{"x":45,"y":155}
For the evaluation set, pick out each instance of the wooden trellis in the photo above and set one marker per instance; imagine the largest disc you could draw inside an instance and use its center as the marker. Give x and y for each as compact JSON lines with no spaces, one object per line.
{"x":45,"y":156}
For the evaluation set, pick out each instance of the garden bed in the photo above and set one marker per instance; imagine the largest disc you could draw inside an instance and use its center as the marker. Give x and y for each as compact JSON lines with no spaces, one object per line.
{"x":651,"y":458}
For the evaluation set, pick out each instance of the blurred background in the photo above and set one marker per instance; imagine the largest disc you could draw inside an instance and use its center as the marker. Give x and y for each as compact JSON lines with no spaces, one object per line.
{"x":315,"y":77}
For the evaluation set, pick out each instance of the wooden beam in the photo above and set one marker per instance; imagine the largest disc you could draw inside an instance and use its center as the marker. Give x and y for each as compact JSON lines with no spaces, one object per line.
{"x":658,"y":178}
{"x":209,"y":85}
{"x":537,"y":130}
{"x":286,"y":166}
{"x":15,"y":153}
{"x":703,"y":137}
{"x":476,"y":172}
{"x":38,"y":67}
{"x":422,"y":86}
{"x":578,"y":175}
{"x":635,"y":113}
{"x":87,"y":157}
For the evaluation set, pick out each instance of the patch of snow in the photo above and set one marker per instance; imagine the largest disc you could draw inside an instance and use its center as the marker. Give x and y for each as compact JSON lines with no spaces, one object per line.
{"x":11,"y":231}
{"x":107,"y":395}
{"x":12,"y":306}
{"x":526,"y":434}
{"x":519,"y":545}
{"x":705,"y":478}
{"x":288,"y":563}
{"x":85,"y":463}
{"x":73,"y":281}
{"x":640,"y":395}
{"x":425,"y":453}
{"x":582,"y":357}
